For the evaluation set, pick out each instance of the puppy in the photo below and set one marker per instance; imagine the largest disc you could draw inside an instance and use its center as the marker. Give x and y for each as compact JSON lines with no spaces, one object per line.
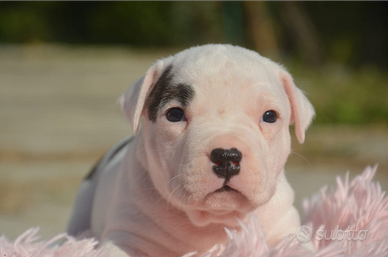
{"x":211,"y":150}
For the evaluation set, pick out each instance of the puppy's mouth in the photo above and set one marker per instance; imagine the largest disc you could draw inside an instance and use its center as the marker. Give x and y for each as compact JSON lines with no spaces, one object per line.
{"x":226,"y":189}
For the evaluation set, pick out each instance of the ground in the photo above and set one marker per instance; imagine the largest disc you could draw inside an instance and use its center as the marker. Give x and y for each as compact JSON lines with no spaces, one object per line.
{"x":59,"y":114}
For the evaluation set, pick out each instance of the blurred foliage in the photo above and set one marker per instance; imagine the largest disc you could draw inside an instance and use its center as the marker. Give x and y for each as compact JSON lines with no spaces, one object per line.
{"x":132,"y":23}
{"x":345,"y":96}
{"x":340,"y":48}
{"x":352,"y":33}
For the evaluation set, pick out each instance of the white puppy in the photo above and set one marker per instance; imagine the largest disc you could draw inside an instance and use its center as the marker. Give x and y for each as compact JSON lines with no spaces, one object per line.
{"x":211,"y":150}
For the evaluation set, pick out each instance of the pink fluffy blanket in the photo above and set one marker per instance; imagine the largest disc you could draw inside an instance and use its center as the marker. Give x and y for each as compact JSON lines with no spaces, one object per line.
{"x":349,"y":220}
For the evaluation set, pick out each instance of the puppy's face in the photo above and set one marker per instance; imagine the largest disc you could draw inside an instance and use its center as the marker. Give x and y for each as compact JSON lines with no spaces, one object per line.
{"x":216,"y":131}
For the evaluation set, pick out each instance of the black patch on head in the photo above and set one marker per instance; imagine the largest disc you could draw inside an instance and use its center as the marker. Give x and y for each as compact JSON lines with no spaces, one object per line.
{"x":165,"y":91}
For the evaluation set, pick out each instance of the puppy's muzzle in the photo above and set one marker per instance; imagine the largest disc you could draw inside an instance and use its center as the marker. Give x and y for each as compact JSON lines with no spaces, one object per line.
{"x":227,"y":162}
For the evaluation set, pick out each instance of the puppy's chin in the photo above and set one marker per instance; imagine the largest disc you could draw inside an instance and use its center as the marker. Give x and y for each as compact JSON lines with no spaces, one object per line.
{"x":221,"y":207}
{"x":223,"y":199}
{"x":203,"y":218}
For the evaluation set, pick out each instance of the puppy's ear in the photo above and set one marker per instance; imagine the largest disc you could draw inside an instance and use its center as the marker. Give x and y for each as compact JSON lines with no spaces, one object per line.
{"x":302,"y":112}
{"x":132,"y":101}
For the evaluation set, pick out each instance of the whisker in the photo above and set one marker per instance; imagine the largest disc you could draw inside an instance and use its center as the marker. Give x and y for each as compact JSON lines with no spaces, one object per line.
{"x":280,"y":182}
{"x":168,"y":200}
{"x":177,"y":176}
{"x":182,"y":196}
{"x":304,"y":158}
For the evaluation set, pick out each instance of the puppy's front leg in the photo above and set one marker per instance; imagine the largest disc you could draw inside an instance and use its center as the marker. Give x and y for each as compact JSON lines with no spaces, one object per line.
{"x":286,"y":226}
{"x":114,"y":250}
{"x":121,"y":244}
{"x":115,"y":243}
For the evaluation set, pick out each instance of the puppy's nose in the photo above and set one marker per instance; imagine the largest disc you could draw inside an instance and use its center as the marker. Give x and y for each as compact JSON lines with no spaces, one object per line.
{"x":227,"y":162}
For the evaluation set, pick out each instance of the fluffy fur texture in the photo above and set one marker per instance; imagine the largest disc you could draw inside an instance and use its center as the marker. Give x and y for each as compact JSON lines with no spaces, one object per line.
{"x":359,"y":202}
{"x":28,"y":245}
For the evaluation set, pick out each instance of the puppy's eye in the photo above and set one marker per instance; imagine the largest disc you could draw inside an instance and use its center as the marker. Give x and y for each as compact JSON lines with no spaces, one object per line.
{"x":269,"y":116}
{"x":175,"y":115}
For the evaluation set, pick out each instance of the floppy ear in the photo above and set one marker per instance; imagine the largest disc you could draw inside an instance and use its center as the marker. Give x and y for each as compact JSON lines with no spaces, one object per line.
{"x":132,"y":101}
{"x":302,"y":112}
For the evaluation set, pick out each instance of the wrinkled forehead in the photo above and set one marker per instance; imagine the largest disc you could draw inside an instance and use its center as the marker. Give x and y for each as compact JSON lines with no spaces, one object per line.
{"x":213,"y":74}
{"x":228,"y":74}
{"x":220,"y":64}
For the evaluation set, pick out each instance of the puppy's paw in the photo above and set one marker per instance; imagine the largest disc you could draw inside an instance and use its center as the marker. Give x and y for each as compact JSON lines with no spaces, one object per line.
{"x":309,"y":246}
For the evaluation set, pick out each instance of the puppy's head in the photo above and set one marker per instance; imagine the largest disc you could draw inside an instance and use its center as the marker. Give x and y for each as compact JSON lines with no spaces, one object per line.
{"x":216,"y":129}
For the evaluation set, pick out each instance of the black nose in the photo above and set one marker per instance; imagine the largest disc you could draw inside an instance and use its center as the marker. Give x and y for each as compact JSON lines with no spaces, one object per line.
{"x":227,"y":162}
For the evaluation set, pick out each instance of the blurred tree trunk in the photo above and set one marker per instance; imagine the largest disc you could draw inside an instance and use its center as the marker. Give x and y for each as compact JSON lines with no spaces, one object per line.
{"x":258,"y":27}
{"x":374,"y":50}
{"x":305,"y":34}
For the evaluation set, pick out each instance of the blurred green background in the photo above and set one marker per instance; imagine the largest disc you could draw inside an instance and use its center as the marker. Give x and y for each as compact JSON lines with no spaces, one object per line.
{"x":64,"y":64}
{"x":340,"y":46}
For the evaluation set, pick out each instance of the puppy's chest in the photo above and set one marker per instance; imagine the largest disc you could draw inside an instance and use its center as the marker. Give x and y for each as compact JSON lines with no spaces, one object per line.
{"x":171,"y":229}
